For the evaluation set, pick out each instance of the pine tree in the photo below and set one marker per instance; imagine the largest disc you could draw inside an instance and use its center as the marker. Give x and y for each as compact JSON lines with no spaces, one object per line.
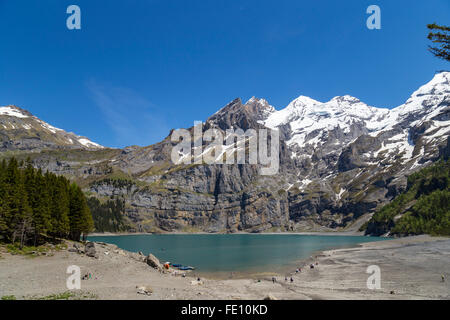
{"x":59,"y":205}
{"x":33,"y":205}
{"x":80,"y":216}
{"x":3,"y":186}
{"x":18,"y":214}
{"x":440,"y":35}
{"x":39,"y":200}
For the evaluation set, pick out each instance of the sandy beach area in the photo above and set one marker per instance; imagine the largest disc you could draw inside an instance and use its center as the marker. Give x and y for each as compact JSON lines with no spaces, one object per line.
{"x":411,"y":268}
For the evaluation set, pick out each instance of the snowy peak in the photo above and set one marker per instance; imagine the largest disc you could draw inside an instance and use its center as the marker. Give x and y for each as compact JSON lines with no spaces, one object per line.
{"x":21,"y":130}
{"x":353,"y":107}
{"x":14,"y":111}
{"x":427,"y":98}
{"x":260,"y":108}
{"x":440,"y":84}
{"x":306,"y":119}
{"x":235,"y":114}
{"x":345,"y":99}
{"x":302,"y":103}
{"x":296,"y":109}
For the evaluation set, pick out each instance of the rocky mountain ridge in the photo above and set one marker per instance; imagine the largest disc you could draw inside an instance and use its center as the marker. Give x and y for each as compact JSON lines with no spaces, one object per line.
{"x":20,"y":130}
{"x":339,"y":161}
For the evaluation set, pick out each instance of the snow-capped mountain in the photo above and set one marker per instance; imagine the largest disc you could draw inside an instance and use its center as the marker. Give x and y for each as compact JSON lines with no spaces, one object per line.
{"x":339,"y":161}
{"x":323,"y":129}
{"x":351,"y":157}
{"x":260,"y":108}
{"x":307,"y":122}
{"x":20,"y":130}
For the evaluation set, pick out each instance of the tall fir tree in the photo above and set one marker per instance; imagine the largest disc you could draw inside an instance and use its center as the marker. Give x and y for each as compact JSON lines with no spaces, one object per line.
{"x":59,"y":205}
{"x":81,"y":222}
{"x":34,"y":206}
{"x":18,"y":214}
{"x":3,"y":186}
{"x":440,"y":36}
{"x":39,"y":201}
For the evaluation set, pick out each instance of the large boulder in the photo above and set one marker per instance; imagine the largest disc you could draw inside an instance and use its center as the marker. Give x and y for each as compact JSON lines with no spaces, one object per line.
{"x":153,"y":262}
{"x":89,"y":249}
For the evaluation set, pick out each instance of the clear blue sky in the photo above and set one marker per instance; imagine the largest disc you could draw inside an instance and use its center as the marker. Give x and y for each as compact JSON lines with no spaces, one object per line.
{"x":138,"y":68}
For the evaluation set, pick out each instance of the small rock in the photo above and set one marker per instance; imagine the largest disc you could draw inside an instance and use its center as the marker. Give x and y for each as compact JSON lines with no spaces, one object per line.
{"x":146,"y":290}
{"x":78,"y":248}
{"x":89,"y":249}
{"x":270,"y":297}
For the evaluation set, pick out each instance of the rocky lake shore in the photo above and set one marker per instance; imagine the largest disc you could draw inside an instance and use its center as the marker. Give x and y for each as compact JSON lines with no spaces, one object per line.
{"x":411,"y":268}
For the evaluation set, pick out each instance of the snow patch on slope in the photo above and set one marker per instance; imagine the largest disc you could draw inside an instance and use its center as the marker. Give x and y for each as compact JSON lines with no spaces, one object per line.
{"x":12,"y":112}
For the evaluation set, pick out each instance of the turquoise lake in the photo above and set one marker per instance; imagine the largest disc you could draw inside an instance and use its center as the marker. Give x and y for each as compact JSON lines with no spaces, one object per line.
{"x":241,"y":253}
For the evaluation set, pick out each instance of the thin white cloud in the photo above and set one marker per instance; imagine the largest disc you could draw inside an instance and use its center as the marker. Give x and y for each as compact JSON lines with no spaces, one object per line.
{"x":133,"y":119}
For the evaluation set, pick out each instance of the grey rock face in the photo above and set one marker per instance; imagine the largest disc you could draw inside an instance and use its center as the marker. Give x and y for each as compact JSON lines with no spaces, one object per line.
{"x":339,"y":162}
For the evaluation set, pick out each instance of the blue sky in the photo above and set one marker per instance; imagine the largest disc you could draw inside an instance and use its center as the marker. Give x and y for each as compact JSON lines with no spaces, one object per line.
{"x":138,"y":68}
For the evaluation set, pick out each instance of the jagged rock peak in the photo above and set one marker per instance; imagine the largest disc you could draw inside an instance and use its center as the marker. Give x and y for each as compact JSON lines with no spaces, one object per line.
{"x":260,"y":108}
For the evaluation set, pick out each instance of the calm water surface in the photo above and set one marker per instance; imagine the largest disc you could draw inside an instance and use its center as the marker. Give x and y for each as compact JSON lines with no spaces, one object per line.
{"x":233,"y":252}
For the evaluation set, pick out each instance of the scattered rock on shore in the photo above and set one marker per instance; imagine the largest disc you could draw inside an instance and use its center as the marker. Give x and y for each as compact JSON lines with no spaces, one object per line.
{"x":147,"y":290}
{"x":89,"y":249}
{"x":153,"y":262}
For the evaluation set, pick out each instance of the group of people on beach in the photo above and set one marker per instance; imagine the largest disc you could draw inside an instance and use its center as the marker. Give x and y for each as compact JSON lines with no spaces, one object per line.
{"x":298,"y":270}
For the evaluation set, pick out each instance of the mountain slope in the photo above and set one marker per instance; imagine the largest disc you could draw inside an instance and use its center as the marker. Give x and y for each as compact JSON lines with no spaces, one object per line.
{"x":340,"y":161}
{"x":423,"y":208}
{"x":20,"y":130}
{"x":352,"y":158}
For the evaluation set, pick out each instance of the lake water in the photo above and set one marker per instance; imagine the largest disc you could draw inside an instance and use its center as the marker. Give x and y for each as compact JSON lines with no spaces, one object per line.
{"x":240,"y":253}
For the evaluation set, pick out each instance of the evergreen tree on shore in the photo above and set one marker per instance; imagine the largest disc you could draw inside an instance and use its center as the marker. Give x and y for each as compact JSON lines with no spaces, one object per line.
{"x":59,"y":205}
{"x":18,"y":214}
{"x":39,"y":201}
{"x":79,"y":214}
{"x":3,"y":224}
{"x":108,"y":216}
{"x":34,"y":206}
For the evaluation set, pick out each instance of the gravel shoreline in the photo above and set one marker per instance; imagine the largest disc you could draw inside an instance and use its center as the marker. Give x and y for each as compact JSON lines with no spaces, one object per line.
{"x":411,"y":268}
